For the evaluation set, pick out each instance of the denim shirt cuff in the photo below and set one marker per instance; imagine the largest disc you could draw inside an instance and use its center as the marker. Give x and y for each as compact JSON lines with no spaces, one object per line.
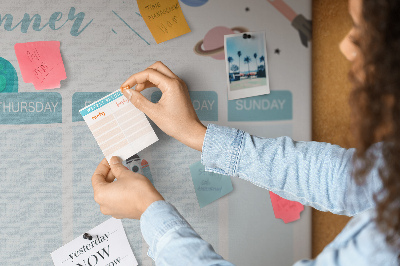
{"x":157,"y":220}
{"x":222,"y":148}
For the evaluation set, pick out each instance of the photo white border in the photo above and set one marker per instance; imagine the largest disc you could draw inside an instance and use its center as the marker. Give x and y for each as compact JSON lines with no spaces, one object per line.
{"x":249,"y":92}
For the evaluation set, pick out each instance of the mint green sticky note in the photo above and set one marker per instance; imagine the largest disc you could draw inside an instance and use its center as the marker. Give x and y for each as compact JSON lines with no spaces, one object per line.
{"x":209,"y":186}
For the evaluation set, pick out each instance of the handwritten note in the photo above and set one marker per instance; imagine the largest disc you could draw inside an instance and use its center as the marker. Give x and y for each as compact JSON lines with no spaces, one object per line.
{"x":164,"y":18}
{"x":41,"y":64}
{"x":288,"y":211}
{"x":209,"y":186}
{"x":108,"y":246}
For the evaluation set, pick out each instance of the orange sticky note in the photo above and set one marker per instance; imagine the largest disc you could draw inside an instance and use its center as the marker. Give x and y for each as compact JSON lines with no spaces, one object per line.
{"x":288,"y":211}
{"x":41,"y":63}
{"x":164,"y":18}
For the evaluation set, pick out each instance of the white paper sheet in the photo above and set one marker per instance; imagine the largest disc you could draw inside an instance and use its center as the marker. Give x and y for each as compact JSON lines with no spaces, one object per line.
{"x":109,"y":246}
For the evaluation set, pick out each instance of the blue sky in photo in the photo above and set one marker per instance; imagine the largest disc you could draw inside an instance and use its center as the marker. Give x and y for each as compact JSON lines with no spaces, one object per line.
{"x":248,"y":47}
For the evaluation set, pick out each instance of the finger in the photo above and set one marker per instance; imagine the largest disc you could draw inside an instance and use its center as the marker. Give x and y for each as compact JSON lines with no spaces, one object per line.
{"x":118,"y":169}
{"x":159,"y":80}
{"x":104,"y":210}
{"x":160,"y":67}
{"x":100,"y":174}
{"x":140,"y":102}
{"x":110,"y":177}
{"x":142,"y":86}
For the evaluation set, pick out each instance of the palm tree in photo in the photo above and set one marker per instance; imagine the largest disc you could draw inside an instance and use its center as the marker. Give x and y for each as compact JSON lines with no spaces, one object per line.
{"x":239,"y":53}
{"x":230,"y":60}
{"x":247,"y":60}
{"x":255,"y":58}
{"x":234,"y":68}
{"x":262,"y":59}
{"x":261,"y":68}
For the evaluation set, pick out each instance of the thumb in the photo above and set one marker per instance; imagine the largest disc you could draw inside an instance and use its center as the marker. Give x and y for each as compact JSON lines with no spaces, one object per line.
{"x":139,"y":101}
{"x":117,"y":168}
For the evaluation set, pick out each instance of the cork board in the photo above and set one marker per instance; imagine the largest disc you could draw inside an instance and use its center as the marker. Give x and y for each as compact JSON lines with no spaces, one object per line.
{"x":331,"y":89}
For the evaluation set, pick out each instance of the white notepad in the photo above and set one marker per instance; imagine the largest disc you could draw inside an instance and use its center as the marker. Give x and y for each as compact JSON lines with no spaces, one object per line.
{"x":108,"y":246}
{"x":118,"y":126}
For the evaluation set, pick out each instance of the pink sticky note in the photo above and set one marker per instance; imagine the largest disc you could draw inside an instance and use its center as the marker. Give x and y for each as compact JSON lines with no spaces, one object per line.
{"x":288,"y":211}
{"x":41,"y":63}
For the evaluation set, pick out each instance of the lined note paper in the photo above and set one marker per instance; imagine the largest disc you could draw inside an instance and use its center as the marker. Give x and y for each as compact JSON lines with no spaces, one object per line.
{"x":118,"y":126}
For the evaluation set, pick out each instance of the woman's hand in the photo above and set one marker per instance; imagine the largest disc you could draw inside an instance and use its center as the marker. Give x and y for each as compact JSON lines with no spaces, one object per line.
{"x":127,"y":197}
{"x":174,"y":113}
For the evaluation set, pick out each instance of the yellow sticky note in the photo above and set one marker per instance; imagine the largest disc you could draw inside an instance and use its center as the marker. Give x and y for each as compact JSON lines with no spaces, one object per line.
{"x":164,"y":18}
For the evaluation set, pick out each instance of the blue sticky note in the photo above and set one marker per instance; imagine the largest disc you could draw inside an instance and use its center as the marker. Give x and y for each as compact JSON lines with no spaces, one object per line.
{"x":209,"y":186}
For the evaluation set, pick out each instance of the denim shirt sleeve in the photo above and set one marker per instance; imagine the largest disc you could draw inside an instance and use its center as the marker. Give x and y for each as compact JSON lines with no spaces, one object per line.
{"x":312,"y":173}
{"x":172,"y":241}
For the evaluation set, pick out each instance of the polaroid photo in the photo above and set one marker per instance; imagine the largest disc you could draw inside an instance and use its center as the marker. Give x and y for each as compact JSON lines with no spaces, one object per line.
{"x":246,"y":65}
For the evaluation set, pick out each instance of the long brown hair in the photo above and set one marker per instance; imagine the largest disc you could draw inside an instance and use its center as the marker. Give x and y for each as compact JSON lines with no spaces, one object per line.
{"x":375,"y":103}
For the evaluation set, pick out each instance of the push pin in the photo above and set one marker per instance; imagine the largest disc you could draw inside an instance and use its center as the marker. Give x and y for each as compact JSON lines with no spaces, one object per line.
{"x":87,"y":236}
{"x":246,"y":36}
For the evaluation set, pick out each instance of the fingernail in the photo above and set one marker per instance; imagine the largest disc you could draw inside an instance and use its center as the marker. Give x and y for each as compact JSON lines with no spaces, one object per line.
{"x":115,"y":160}
{"x":129,"y":92}
{"x":125,"y":88}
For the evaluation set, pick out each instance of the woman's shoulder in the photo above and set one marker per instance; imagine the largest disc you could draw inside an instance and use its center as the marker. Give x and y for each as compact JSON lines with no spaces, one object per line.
{"x":366,"y":242}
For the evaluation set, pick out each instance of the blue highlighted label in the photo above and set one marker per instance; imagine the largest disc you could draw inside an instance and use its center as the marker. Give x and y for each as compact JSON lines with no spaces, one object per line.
{"x":30,"y":108}
{"x":278,"y":105}
{"x":205,"y":103}
{"x":83,"y":99}
{"x":101,"y":103}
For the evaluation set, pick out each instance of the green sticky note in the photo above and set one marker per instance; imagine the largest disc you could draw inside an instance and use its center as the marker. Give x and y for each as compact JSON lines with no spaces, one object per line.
{"x":209,"y":186}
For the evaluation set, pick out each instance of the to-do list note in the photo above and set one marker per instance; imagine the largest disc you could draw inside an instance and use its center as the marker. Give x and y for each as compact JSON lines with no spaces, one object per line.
{"x":118,"y":126}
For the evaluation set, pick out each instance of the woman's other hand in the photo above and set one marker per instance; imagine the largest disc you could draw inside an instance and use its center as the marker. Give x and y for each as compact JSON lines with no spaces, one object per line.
{"x":127,"y":197}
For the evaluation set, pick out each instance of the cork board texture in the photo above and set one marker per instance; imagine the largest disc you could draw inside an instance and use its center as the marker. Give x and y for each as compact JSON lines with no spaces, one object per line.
{"x":330,"y":97}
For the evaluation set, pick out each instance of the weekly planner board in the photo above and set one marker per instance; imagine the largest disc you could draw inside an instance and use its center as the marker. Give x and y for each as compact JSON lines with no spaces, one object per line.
{"x":48,"y":153}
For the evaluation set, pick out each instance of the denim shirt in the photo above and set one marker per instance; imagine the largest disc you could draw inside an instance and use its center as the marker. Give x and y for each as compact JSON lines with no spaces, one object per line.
{"x":313,"y":173}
